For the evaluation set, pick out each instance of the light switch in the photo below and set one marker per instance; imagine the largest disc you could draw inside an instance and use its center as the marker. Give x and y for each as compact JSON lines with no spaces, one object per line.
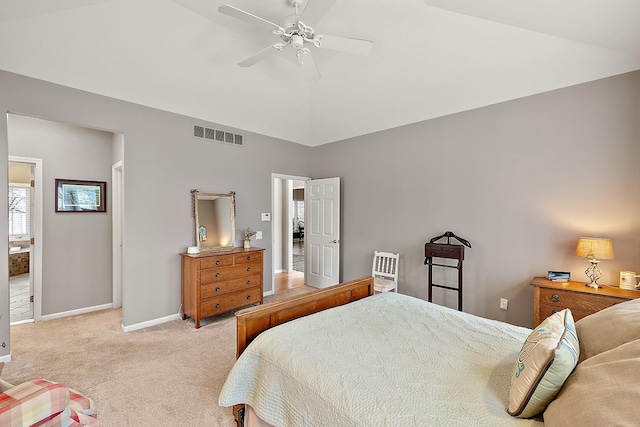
{"x":258,"y":235}
{"x":266,"y":216}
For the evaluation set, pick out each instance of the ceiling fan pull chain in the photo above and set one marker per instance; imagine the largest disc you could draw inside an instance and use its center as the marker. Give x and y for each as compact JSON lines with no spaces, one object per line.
{"x":300,"y":54}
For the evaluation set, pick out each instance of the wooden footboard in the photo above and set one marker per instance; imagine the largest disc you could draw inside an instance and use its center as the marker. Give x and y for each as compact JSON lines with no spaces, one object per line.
{"x":250,"y":322}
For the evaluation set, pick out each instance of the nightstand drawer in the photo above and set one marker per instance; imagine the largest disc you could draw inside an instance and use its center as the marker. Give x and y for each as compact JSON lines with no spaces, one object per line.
{"x":551,"y":296}
{"x":576,"y":301}
{"x":547,"y":310}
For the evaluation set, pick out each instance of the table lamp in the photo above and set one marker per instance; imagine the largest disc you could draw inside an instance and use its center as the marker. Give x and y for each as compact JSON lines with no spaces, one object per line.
{"x":596,"y":249}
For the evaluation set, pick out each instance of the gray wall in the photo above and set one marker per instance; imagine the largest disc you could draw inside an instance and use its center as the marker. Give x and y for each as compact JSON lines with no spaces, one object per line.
{"x":76,"y":266}
{"x":520,"y":180}
{"x":162,"y":164}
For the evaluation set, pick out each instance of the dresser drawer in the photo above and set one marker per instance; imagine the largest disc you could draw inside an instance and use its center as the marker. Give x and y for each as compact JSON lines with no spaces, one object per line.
{"x":216,"y":261}
{"x":230,"y":301}
{"x":216,"y":275}
{"x":577,"y":301}
{"x":212,"y":289}
{"x":247,"y":258}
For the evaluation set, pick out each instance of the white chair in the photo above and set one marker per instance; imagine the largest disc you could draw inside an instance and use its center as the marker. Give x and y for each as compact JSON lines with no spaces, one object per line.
{"x":385,"y":271}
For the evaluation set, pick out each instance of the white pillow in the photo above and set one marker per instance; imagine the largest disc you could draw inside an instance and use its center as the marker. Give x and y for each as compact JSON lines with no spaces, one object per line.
{"x":547,"y":358}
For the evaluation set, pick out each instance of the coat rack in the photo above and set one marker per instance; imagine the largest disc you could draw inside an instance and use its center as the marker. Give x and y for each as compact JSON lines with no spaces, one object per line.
{"x":449,"y":251}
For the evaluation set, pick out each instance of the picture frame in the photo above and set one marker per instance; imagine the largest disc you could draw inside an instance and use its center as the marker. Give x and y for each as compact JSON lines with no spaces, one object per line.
{"x":74,"y":195}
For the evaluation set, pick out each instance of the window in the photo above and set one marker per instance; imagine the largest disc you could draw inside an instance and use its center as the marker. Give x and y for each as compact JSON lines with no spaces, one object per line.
{"x":298,"y":214}
{"x":19,"y":211}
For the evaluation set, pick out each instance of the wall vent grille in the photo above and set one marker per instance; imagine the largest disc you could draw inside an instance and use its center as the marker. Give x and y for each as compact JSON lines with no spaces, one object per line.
{"x":203,"y":132}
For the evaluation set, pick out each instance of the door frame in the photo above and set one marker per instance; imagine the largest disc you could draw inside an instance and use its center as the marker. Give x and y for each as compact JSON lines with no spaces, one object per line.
{"x":36,"y":230}
{"x":289,"y":239}
{"x":117,"y":229}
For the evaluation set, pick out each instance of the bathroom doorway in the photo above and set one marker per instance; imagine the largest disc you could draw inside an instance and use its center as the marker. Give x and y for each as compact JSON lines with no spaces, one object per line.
{"x":23,"y":208}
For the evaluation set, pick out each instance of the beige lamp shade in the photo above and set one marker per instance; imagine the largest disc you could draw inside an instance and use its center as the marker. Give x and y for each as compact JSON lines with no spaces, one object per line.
{"x":594,"y":247}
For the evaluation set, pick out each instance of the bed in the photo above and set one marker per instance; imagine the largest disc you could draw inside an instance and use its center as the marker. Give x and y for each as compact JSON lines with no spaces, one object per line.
{"x":385,"y":359}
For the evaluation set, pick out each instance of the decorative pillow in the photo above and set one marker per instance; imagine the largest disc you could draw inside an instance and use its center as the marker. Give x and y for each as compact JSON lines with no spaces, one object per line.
{"x":547,"y":358}
{"x":602,"y":391}
{"x":608,"y":328}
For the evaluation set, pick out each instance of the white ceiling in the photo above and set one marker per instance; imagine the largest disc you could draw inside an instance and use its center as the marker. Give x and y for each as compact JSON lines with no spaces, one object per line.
{"x":430,"y":57}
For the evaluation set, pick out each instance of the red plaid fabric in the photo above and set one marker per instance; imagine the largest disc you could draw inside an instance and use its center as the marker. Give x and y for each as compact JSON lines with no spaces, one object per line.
{"x":44,"y":403}
{"x":31,"y":402}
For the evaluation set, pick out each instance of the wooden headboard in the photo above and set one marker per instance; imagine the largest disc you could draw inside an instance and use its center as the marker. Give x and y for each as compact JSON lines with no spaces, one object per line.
{"x":250,"y":322}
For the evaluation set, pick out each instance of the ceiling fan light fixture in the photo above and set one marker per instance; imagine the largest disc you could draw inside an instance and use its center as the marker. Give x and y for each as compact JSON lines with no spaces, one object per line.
{"x":297,"y":41}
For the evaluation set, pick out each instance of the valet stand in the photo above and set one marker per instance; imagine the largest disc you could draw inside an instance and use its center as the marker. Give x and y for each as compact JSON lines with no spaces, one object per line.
{"x":445,"y":250}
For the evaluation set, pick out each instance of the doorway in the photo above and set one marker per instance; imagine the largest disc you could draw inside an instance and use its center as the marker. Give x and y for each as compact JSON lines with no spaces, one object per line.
{"x":288,"y":228}
{"x":25,"y":231}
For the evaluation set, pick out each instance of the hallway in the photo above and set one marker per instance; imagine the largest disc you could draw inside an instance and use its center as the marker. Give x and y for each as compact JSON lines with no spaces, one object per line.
{"x":20,"y":306}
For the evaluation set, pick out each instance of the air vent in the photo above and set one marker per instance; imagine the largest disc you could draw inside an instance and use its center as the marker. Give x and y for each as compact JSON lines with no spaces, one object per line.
{"x":202,"y":132}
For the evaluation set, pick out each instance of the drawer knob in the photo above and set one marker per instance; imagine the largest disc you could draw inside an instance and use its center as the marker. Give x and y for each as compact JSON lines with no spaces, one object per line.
{"x":248,"y":296}
{"x":555,"y":297}
{"x":248,"y":257}
{"x":218,"y":262}
{"x":248,"y":268}
{"x":248,"y":282}
{"x":553,"y":311}
{"x":217,"y":305}
{"x":217,"y":274}
{"x":218,"y":289}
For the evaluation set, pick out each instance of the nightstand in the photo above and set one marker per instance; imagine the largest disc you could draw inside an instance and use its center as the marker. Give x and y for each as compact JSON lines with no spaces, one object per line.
{"x":549,"y":297}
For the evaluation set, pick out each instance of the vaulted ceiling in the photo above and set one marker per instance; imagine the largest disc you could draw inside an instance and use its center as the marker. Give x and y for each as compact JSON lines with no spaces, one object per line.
{"x":430,"y":57}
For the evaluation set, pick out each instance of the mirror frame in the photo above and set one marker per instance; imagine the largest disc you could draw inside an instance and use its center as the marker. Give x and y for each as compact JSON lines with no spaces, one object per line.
{"x":197,"y":197}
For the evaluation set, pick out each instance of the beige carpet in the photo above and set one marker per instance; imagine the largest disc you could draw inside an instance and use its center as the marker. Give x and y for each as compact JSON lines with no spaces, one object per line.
{"x":165,"y":375}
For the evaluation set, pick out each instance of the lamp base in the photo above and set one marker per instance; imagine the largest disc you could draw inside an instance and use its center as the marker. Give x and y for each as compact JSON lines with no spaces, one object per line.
{"x":593,"y":285}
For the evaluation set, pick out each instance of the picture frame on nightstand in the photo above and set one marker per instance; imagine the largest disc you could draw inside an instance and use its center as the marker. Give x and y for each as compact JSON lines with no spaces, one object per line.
{"x":559,"y":276}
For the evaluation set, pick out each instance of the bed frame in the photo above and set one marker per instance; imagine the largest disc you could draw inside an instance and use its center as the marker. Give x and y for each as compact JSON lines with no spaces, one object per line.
{"x":250,"y":322}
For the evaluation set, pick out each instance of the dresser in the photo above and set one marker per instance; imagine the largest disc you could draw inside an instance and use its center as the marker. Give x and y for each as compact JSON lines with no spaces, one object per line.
{"x":550,"y":297}
{"x":217,"y":282}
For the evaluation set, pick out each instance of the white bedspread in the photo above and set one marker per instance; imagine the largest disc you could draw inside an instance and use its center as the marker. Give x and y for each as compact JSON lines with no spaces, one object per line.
{"x":386,"y":360}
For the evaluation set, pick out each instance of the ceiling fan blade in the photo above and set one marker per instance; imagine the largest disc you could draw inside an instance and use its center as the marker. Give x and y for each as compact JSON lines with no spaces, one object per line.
{"x":344,"y":44}
{"x":315,"y":10}
{"x":261,"y":55}
{"x":310,"y":67}
{"x":247,"y":17}
{"x":197,"y":7}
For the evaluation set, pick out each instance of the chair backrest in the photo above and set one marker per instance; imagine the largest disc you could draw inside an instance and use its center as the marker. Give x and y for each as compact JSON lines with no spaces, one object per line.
{"x":385,"y":265}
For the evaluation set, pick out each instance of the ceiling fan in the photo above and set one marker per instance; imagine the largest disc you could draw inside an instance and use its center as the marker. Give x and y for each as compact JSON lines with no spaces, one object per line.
{"x":295,"y":33}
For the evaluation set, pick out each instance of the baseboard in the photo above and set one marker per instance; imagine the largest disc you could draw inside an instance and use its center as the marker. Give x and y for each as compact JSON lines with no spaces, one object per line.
{"x":5,"y":359}
{"x":153,"y":322}
{"x":266,"y":294}
{"x":76,"y":312}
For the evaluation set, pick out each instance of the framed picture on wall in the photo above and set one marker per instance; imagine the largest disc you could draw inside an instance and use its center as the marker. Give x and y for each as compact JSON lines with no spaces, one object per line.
{"x":80,"y":196}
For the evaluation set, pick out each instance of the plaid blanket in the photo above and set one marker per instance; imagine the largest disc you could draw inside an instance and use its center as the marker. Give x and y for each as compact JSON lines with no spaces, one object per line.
{"x":45,"y":403}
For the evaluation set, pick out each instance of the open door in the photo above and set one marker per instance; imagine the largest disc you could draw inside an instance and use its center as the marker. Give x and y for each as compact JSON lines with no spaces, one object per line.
{"x":322,"y":232}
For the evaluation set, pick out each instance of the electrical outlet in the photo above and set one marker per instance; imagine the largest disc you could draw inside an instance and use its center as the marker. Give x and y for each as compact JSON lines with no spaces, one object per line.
{"x":258,"y":235}
{"x":504,"y":303}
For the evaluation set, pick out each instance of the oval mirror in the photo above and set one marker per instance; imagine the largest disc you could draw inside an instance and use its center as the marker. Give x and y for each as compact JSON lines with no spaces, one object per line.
{"x":215,"y":221}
